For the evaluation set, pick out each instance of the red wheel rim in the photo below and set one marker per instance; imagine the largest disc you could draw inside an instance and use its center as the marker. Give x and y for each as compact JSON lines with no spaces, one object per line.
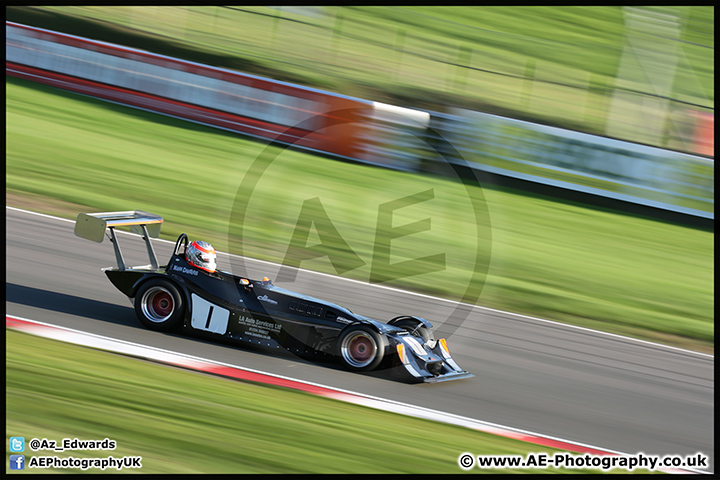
{"x":162,"y":304}
{"x":361,"y":349}
{"x":157,"y":304}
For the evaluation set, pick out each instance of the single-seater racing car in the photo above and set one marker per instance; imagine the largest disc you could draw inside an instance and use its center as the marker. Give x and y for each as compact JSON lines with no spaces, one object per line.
{"x":190,"y":292}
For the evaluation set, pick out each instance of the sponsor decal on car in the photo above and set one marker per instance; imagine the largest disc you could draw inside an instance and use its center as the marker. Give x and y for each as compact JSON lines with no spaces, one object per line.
{"x":267,"y":299}
{"x":259,"y":328}
{"x":189,"y":271}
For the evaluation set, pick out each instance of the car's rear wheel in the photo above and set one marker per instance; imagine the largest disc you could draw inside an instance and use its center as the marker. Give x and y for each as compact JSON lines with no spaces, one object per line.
{"x":159,"y":305}
{"x":361,"y":348}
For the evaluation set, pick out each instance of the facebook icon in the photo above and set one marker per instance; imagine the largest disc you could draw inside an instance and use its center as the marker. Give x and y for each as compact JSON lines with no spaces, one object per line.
{"x":17,"y":462}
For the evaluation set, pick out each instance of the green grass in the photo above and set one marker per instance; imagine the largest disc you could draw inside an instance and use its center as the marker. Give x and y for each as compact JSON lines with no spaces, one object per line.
{"x":183,"y":422}
{"x":538,"y":256}
{"x":555,"y":65}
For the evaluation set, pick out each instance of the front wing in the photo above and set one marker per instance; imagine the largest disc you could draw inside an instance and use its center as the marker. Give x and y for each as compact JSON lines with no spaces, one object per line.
{"x":428,"y":362}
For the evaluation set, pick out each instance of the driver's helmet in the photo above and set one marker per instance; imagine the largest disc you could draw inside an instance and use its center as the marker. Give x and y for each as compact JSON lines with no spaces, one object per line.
{"x":202,"y":255}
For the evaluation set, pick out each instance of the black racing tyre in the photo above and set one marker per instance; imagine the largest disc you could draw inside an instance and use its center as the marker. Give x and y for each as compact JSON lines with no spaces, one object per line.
{"x":159,"y":305}
{"x":411,"y":325}
{"x":361,"y":348}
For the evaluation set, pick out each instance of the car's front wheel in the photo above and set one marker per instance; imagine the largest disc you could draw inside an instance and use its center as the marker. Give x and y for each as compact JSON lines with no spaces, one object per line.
{"x":159,"y":305}
{"x":361,"y":348}
{"x":416,"y":328}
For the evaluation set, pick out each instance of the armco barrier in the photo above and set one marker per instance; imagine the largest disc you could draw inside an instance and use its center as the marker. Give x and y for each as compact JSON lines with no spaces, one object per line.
{"x":588,"y":163}
{"x":244,"y":103}
{"x":305,"y":117}
{"x":359,"y":129}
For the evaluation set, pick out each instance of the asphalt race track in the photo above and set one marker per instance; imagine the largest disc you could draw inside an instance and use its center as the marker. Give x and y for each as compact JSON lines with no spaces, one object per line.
{"x":574,"y":384}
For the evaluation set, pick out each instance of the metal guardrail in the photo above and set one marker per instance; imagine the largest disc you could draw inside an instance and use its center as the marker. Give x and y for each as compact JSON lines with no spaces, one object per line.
{"x":612,"y":168}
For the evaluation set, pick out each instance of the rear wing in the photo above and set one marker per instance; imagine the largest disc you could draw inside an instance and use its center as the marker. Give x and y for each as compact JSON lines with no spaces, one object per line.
{"x":92,"y":226}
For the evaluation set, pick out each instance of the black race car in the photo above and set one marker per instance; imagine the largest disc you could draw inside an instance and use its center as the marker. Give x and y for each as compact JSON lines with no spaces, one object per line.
{"x":179,"y":295}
